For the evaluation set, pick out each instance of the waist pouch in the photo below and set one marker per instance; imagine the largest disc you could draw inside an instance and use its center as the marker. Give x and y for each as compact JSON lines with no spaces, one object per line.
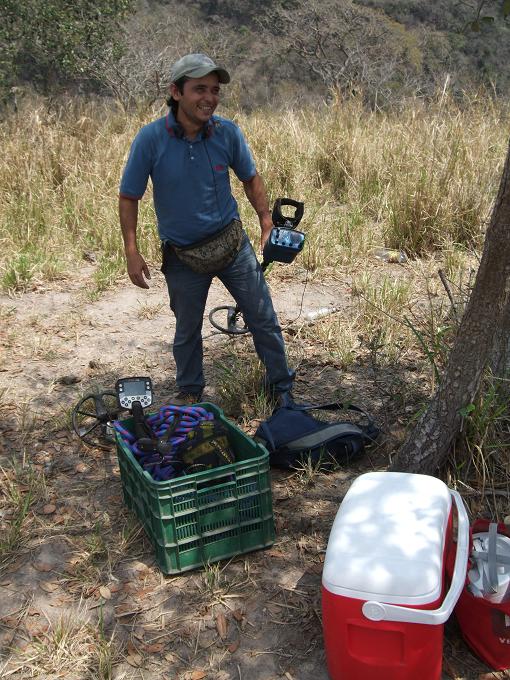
{"x":213,"y":253}
{"x":291,"y":435}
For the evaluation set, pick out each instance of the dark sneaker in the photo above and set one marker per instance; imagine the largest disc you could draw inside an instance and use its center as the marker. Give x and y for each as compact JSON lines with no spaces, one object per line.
{"x":186,"y":398}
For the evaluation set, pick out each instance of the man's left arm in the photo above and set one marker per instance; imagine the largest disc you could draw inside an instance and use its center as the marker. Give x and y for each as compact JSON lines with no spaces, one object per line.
{"x":255,"y":191}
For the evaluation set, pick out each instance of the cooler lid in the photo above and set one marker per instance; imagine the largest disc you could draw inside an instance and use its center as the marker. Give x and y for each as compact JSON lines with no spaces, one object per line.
{"x":387,"y":540}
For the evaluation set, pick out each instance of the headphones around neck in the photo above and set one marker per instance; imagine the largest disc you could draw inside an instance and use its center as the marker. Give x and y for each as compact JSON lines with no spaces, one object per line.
{"x":175,"y":129}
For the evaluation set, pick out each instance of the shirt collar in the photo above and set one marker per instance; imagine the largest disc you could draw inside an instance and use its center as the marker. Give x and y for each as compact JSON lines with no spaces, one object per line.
{"x":175,"y":129}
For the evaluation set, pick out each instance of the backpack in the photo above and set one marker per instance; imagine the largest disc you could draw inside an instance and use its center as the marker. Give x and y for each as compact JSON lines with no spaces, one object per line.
{"x":291,"y":435}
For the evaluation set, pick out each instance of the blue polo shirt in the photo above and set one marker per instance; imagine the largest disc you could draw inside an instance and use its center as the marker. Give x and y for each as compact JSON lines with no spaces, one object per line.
{"x":190,"y":179}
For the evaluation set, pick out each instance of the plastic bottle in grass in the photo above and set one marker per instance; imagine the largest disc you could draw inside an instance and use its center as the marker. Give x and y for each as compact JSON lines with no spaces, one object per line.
{"x":389,"y":255}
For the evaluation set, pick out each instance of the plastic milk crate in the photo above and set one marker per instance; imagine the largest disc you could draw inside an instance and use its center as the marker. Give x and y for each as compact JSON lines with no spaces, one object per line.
{"x":206,"y":516}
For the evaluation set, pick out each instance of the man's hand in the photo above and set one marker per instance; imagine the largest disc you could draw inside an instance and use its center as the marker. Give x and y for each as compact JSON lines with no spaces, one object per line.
{"x":136,"y":266}
{"x":137,"y":269}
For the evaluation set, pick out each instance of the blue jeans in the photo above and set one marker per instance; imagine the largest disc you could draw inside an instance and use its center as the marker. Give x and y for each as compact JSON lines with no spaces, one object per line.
{"x":245,"y":281}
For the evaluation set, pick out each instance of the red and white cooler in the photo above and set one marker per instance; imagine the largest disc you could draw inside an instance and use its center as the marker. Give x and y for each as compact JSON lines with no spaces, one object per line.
{"x":384,"y":599}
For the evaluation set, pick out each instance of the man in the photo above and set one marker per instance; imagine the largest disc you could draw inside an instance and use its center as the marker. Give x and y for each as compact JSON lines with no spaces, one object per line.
{"x":187,"y":154}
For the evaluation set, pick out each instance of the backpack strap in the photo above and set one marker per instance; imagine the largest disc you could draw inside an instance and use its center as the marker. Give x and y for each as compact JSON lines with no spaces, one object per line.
{"x":330,"y":406}
{"x":323,"y":436}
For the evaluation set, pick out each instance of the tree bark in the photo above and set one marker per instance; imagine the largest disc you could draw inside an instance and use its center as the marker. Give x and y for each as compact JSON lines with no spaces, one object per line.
{"x":500,"y":359}
{"x":487,"y":313}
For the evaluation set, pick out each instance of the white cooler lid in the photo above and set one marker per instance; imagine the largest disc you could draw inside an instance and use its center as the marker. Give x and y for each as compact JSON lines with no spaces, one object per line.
{"x":387,"y":540}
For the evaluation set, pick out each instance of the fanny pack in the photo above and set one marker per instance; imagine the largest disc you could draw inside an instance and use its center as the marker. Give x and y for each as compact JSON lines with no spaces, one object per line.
{"x":213,"y":253}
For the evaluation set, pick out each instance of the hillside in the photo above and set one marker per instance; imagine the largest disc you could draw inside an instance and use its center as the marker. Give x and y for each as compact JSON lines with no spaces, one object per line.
{"x":282,"y":52}
{"x":449,"y":43}
{"x":388,"y":48}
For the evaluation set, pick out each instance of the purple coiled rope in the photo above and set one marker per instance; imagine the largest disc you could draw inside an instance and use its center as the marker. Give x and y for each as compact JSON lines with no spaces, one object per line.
{"x":162,"y":467}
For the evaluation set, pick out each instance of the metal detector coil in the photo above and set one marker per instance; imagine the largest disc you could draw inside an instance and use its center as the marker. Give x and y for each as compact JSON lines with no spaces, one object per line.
{"x":93,"y":416}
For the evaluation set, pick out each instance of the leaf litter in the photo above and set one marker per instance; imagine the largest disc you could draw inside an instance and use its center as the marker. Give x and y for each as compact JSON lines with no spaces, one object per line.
{"x":109,"y":587}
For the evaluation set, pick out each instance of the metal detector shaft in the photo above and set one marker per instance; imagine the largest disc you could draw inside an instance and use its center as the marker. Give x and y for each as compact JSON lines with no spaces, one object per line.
{"x":282,"y":245}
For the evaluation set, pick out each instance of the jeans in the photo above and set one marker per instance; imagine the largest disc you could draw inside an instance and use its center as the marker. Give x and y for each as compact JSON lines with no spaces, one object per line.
{"x":245,"y":281}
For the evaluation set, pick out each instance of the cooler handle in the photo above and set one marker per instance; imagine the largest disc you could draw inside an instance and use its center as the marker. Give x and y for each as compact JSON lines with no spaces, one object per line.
{"x":378,"y":611}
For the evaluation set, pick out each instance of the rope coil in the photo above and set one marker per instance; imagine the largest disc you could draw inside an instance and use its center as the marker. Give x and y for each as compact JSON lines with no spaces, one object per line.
{"x":181,"y":420}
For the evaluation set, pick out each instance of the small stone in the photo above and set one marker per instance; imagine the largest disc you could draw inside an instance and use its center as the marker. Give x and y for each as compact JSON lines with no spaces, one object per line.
{"x":43,"y":566}
{"x":49,"y":586}
{"x":69,"y":379}
{"x":232,"y":648}
{"x":105,"y":592}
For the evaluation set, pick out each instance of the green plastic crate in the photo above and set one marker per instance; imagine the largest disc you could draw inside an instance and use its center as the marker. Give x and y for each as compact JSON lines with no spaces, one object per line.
{"x":207,"y":516}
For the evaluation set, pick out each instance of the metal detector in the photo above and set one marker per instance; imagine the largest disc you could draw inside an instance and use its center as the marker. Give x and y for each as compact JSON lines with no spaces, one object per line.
{"x":94,"y":414}
{"x":283,"y":245}
{"x":135,"y":394}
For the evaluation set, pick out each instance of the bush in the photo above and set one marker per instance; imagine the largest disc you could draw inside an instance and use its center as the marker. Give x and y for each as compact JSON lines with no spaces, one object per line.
{"x":52,"y":43}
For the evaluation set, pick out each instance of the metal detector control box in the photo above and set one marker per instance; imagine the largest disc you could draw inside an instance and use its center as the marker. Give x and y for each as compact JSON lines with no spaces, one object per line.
{"x":284,"y":242}
{"x":283,"y":245}
{"x":131,"y":390}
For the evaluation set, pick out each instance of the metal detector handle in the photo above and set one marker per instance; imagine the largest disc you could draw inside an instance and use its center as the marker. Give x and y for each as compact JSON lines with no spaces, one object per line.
{"x":280,"y":219}
{"x":379,"y":611}
{"x":139,"y":425}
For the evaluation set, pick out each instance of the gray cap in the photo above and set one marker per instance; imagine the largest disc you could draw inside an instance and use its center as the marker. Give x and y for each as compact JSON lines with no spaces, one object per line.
{"x":197,"y":66}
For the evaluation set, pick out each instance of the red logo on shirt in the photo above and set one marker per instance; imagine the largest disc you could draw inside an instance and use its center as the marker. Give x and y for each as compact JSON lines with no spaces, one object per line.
{"x":219,"y":168}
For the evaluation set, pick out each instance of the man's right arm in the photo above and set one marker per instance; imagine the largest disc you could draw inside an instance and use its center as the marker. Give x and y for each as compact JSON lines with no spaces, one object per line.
{"x":137,"y":268}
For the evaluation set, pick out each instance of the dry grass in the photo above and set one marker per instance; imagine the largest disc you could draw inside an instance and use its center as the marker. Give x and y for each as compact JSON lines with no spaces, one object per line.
{"x":20,"y":488}
{"x":335,"y":338}
{"x":414,"y":180}
{"x":240,"y":383}
{"x":479,"y":464}
{"x":420,"y":180}
{"x":73,"y":646}
{"x":147,"y":310}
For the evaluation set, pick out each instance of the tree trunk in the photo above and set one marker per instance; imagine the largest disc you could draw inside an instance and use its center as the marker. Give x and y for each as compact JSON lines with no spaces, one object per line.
{"x":500,"y":358}
{"x":487,"y":312}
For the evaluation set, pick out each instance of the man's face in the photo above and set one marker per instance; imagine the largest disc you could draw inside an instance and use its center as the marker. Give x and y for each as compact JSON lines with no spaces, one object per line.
{"x":198,"y":100}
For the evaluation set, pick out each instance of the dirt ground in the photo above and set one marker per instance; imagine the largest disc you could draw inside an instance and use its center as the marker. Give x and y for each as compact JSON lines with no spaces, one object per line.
{"x":81,"y":595}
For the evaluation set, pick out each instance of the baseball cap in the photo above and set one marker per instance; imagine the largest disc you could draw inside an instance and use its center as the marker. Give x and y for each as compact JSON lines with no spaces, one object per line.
{"x":197,"y":66}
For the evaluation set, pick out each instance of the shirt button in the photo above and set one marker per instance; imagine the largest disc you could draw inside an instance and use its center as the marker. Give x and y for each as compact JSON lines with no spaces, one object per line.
{"x":192,"y":158}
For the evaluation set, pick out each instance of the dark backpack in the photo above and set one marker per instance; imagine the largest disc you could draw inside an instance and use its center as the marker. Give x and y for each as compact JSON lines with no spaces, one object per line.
{"x":291,"y":435}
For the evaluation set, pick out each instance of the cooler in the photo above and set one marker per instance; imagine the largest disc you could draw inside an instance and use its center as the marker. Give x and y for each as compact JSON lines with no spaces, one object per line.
{"x":383,"y":583}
